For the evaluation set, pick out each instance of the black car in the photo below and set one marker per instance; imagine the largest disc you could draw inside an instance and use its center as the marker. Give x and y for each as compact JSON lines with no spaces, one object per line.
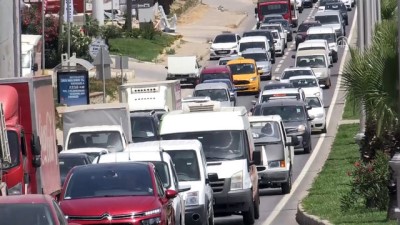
{"x":270,"y":85}
{"x":144,"y":126}
{"x":341,"y":7}
{"x":295,"y":118}
{"x":268,"y":35}
{"x":69,"y":161}
{"x":286,"y":25}
{"x":308,"y":3}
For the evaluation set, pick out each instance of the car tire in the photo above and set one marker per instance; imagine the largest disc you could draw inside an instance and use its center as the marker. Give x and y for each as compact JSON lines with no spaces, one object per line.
{"x":287,"y":186}
{"x":324,"y":130}
{"x":308,"y":148}
{"x":285,"y":44}
{"x":347,"y":22}
{"x":248,"y":216}
{"x":335,"y":57}
{"x":301,"y":10}
{"x":257,"y":206}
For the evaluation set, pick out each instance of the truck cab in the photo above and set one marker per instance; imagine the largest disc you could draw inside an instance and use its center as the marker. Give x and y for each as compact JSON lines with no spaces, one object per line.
{"x":270,"y":138}
{"x":228,"y":146}
{"x":287,"y":8}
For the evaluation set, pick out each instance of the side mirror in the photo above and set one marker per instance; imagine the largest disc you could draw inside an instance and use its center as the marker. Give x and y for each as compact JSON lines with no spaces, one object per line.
{"x":232,"y":98}
{"x":37,"y":161}
{"x":308,"y":107}
{"x":59,"y":148}
{"x":36,"y":146}
{"x":255,"y":10}
{"x":210,"y":42}
{"x":257,"y":159}
{"x":330,"y":54}
{"x":311,"y":117}
{"x":275,"y":41}
{"x":253,"y":102}
{"x":293,"y":56}
{"x":166,"y":67}
{"x":212,"y":177}
{"x":277,"y":78}
{"x":330,"y":66}
{"x":295,"y":141}
{"x":294,"y":31}
{"x":170,"y":194}
{"x":183,"y":188}
{"x":35,"y":67}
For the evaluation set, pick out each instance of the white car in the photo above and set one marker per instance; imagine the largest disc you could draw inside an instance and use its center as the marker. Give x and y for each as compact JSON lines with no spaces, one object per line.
{"x":293,"y":72}
{"x":309,"y":84}
{"x":279,"y":42}
{"x":318,"y":111}
{"x":278,"y":27}
{"x":277,"y":94}
{"x":223,"y":45}
{"x":348,"y":4}
{"x":316,"y":44}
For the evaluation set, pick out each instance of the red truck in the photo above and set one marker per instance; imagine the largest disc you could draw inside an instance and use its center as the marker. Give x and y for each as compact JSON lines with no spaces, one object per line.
{"x":30,"y":122}
{"x":286,"y":8}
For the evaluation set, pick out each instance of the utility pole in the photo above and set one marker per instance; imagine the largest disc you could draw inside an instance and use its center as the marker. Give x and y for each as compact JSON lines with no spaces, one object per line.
{"x":398,"y":51}
{"x":361,"y":46}
{"x":98,"y":11}
{"x":69,"y":30}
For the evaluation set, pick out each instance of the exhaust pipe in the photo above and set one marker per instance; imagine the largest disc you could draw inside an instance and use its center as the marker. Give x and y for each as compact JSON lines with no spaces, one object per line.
{"x":195,"y":217}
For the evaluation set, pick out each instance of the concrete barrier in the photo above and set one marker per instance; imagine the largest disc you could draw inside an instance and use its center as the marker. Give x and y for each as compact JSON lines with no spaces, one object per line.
{"x":305,"y":219}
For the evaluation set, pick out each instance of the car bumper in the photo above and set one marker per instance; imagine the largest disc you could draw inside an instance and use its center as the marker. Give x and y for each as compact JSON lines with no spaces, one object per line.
{"x":229,"y":202}
{"x":250,"y":87}
{"x":272,"y":177}
{"x":222,"y":53}
{"x":323,"y":80}
{"x":196,"y":215}
{"x":279,"y":49}
{"x":318,"y":123}
{"x":304,"y":140}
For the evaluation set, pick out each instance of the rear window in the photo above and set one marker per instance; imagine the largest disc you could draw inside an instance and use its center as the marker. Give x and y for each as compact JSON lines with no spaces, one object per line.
{"x":211,"y":76}
{"x":246,"y":45}
{"x":305,"y":26}
{"x":293,"y":73}
{"x":266,"y":98}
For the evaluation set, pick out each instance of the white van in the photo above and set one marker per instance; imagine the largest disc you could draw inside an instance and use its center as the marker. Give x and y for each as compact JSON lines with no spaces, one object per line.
{"x":186,"y":69}
{"x":316,"y":44}
{"x":229,"y":150}
{"x":165,"y":167}
{"x":326,"y":33}
{"x":270,"y":138}
{"x":254,"y":42}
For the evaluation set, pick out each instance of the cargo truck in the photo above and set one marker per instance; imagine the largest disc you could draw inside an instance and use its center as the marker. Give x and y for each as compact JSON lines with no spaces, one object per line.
{"x":286,"y":8}
{"x":99,"y":125}
{"x":5,"y":156}
{"x":160,"y":96}
{"x":31,"y":132}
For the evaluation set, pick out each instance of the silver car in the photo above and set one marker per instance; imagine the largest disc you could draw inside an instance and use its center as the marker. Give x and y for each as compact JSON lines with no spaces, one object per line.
{"x":216,"y":92}
{"x":262,"y":60}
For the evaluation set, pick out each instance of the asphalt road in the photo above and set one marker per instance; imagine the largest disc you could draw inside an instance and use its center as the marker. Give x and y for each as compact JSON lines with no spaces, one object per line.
{"x":272,"y":198}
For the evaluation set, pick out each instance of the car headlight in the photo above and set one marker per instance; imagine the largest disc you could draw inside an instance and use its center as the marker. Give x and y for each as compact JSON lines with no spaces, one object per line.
{"x":301,"y":128}
{"x":16,"y":190}
{"x":276,"y":164}
{"x":237,"y":181}
{"x":151,"y":221}
{"x":317,"y":94}
{"x":253,"y":79}
{"x":192,"y":198}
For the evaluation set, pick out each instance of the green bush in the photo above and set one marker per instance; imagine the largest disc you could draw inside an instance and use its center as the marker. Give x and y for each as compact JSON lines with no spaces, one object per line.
{"x":110,"y":32}
{"x":369,"y":185}
{"x":148,"y":31}
{"x":91,"y":27}
{"x":96,"y":85}
{"x":134,"y":33}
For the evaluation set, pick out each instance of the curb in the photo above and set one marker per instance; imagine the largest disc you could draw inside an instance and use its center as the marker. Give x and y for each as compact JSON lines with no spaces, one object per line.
{"x":240,"y":21}
{"x":305,"y":219}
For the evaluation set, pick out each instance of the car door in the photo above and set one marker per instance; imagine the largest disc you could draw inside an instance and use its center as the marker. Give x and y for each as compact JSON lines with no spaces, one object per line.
{"x":167,"y":206}
{"x":289,"y":150}
{"x":178,"y":201}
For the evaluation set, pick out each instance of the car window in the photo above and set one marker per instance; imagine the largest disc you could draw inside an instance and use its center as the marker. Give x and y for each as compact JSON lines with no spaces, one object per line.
{"x":67,"y":163}
{"x":304,"y":83}
{"x":225,"y":39}
{"x":214,"y":94}
{"x":292,"y":73}
{"x":111,"y":140}
{"x":242,"y":68}
{"x":288,"y":113}
{"x":313,"y":61}
{"x":142,"y":127}
{"x":266,"y":131}
{"x":26,"y":213}
{"x":159,"y":184}
{"x":186,"y":165}
{"x":313,"y":102}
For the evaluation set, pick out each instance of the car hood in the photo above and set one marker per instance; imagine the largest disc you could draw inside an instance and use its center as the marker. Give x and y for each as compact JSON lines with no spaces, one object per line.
{"x":320,"y":72}
{"x":110,"y":205}
{"x":310,"y":91}
{"x":263,"y":64}
{"x":316,"y":111}
{"x":246,"y":76}
{"x":224,"y":45}
{"x":290,"y":125}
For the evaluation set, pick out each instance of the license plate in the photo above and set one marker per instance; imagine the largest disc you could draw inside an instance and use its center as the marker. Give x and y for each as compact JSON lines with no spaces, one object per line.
{"x":223,"y":52}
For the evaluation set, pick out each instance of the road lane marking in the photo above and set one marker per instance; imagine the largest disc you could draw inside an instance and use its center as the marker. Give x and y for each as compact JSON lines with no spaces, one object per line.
{"x":280,"y":62}
{"x":277,"y":69}
{"x":278,"y":208}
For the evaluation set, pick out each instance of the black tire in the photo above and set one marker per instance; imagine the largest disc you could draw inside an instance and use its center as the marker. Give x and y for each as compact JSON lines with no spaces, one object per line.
{"x":308,"y":148}
{"x":324,"y":130}
{"x":257,"y":206}
{"x":301,"y":10}
{"x":335,"y":57}
{"x":287,"y":186}
{"x":248,"y":216}
{"x":347,"y":22}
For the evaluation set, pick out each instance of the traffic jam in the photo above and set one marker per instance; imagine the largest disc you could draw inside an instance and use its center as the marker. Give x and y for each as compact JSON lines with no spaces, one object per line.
{"x":157,"y":157}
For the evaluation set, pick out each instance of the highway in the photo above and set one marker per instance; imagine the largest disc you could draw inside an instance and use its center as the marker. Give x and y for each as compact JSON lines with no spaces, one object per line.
{"x":271,"y":198}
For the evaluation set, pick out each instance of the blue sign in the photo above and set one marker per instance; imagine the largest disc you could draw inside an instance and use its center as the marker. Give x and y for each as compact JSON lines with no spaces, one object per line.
{"x":73,"y":88}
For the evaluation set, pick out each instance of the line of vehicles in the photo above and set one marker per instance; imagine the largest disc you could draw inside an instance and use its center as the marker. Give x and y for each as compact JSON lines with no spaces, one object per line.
{"x":180,"y":160}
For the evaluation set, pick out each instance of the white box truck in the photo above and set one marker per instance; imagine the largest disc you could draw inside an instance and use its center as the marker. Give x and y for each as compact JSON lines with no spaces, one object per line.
{"x":186,"y":69}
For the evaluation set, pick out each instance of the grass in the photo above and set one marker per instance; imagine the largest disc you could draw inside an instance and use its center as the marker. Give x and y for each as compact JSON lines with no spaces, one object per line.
{"x":351,"y":112}
{"x":96,"y":85}
{"x":140,"y":48}
{"x":324,"y":196}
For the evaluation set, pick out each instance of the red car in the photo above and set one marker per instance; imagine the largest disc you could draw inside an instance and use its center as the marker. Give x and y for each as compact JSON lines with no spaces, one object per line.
{"x":32,"y":209}
{"x":129,"y":193}
{"x":216,"y":72}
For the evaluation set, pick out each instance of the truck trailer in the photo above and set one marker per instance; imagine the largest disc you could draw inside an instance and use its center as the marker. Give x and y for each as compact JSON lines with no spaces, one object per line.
{"x":31,"y":132}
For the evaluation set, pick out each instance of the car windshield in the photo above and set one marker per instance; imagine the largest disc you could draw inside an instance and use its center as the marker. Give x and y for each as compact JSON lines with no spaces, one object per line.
{"x":225,"y":38}
{"x":277,"y":86}
{"x":335,"y":6}
{"x":293,"y":73}
{"x":110,"y":140}
{"x":258,"y":57}
{"x":314,"y":102}
{"x":266,"y":131}
{"x":274,"y":9}
{"x":217,"y":145}
{"x":246,"y":45}
{"x":32,"y":214}
{"x":220,"y":95}
{"x":269,"y":27}
{"x":313,"y":61}
{"x":266,"y":98}
{"x":288,"y":113}
{"x":186,"y":164}
{"x":329,"y":37}
{"x":284,"y":23}
{"x":266,"y":34}
{"x":327,"y":19}
{"x":142,"y":127}
{"x":14,"y":150}
{"x":324,"y":2}
{"x":68,"y":162}
{"x":304,"y":83}
{"x":227,"y":82}
{"x":109,"y":182}
{"x":242,"y":68}
{"x":211,"y":76}
{"x":305,"y":26}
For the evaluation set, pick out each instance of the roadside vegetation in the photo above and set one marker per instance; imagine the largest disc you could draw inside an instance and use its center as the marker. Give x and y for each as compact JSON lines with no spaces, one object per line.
{"x":325,"y":198}
{"x":351,"y":111}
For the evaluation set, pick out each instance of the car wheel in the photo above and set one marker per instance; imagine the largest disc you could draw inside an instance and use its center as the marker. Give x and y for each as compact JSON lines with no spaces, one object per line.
{"x":324,"y":130}
{"x":248,"y":216}
{"x":308,"y":148}
{"x":285,"y":44}
{"x":287,"y":186}
{"x":347,"y":22}
{"x":257,"y":206}
{"x":335,"y":57}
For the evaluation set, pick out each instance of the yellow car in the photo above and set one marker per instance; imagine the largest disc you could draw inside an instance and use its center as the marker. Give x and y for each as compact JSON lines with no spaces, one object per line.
{"x":246,"y":77}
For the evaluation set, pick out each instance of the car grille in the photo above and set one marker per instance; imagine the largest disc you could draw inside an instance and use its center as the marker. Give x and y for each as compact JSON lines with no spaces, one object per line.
{"x":112,"y":223}
{"x":218,"y":185}
{"x":104,"y":217}
{"x":181,"y":75}
{"x":222,"y":52}
{"x":239,"y":82}
{"x":291,"y":130}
